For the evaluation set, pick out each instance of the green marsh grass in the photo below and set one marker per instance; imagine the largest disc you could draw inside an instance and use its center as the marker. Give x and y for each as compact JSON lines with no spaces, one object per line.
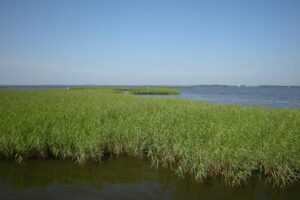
{"x":134,"y":90}
{"x":192,"y":138}
{"x":100,"y":88}
{"x":154,"y":91}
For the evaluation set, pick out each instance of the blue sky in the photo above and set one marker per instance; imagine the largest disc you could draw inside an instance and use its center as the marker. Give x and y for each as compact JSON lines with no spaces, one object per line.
{"x":150,"y":42}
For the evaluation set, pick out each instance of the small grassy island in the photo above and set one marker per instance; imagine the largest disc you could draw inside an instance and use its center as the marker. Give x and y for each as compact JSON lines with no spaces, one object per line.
{"x":137,"y":91}
{"x":153,"y":91}
{"x":190,"y":137}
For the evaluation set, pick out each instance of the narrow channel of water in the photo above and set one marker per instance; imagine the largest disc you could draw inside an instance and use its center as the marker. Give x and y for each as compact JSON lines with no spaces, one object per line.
{"x":119,"y":178}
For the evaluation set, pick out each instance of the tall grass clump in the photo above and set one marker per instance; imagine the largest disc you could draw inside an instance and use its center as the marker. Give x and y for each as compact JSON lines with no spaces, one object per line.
{"x":100,"y":88}
{"x":154,"y":91}
{"x":193,"y":138}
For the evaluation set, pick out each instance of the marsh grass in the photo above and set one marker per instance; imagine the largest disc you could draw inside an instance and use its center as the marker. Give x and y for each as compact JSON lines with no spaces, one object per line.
{"x":100,"y":88}
{"x":154,"y":91}
{"x":133,"y":90}
{"x":192,"y":138}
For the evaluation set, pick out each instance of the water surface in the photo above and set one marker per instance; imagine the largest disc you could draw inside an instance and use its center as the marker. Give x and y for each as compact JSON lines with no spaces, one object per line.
{"x":263,"y":96}
{"x":267,"y":96}
{"x":119,"y":178}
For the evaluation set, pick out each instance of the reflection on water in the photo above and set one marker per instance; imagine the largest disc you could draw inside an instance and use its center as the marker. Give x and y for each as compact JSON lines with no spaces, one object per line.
{"x":119,"y":178}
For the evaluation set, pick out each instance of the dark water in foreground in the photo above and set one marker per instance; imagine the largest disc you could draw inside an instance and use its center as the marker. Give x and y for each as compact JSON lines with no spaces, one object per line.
{"x":119,"y":178}
{"x":264,"y":96}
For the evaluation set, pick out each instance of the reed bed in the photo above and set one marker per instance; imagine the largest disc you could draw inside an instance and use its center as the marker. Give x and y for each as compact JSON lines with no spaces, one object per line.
{"x":154,"y":91}
{"x":192,"y":138}
{"x":101,"y":88}
{"x":134,"y":90}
